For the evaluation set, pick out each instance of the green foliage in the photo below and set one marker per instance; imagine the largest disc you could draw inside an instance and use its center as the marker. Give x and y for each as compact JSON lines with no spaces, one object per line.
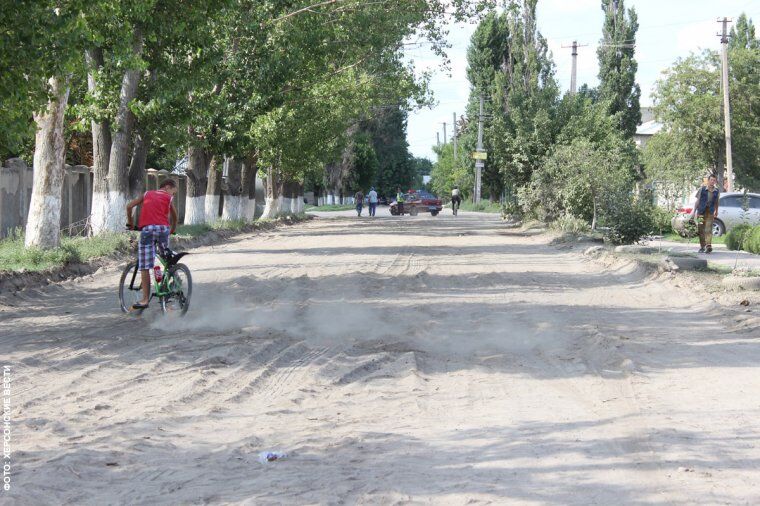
{"x":661,"y":220}
{"x":751,"y":241}
{"x":572,"y":225}
{"x":688,"y":100}
{"x":736,"y":237}
{"x":617,"y":65}
{"x":625,"y":218}
{"x":509,"y":65}
{"x":14,"y":256}
{"x":447,"y":173}
{"x":484,"y":206}
{"x":574,"y":180}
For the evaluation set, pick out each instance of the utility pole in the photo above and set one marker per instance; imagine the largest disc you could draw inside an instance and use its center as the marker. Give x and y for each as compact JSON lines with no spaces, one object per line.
{"x":479,"y":163}
{"x":444,"y":133}
{"x":574,"y":71}
{"x":726,"y":105}
{"x":455,"y":138}
{"x":438,"y":138}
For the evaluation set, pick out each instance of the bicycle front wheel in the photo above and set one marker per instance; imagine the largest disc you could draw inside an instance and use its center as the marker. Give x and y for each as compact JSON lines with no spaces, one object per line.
{"x":130,"y":287}
{"x":179,"y":284}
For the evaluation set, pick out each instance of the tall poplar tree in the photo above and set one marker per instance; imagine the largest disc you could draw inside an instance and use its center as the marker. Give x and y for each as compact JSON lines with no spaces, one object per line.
{"x":617,"y":65}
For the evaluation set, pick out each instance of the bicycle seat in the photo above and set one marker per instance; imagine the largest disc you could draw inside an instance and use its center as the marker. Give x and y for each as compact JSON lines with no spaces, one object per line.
{"x":172,"y":257}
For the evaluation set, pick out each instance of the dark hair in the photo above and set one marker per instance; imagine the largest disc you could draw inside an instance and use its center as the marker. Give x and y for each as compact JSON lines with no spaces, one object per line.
{"x":168,"y":182}
{"x":712,"y":175}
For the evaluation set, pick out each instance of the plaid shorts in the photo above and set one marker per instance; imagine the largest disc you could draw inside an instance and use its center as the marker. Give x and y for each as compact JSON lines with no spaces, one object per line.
{"x":146,"y":251}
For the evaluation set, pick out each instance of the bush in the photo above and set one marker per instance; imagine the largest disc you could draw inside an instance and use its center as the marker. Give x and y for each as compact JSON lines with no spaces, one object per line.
{"x":736,"y":237}
{"x":570,"y":224}
{"x":626,"y":218}
{"x":752,"y":240}
{"x":661,"y":220}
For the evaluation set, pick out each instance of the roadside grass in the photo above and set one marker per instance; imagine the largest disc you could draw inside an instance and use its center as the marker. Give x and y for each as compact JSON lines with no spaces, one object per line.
{"x":14,"y":256}
{"x":193,"y":231}
{"x":481,"y":207}
{"x":329,"y":207}
{"x":692,"y":240}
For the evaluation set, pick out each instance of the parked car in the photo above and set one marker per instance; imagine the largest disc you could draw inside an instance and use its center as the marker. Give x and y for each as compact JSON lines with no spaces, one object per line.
{"x":417,"y":202}
{"x":730,"y":214}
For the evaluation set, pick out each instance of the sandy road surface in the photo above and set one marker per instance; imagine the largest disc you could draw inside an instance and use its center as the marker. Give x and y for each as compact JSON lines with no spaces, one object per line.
{"x":425,"y":360}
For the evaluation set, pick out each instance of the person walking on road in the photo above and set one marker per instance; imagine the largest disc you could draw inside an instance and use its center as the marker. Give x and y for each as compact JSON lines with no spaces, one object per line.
{"x":359,"y":199}
{"x":456,"y":199}
{"x":372,"y":200}
{"x":705,"y":212}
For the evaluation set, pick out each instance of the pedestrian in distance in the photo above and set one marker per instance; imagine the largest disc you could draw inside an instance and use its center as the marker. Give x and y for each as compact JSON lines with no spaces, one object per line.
{"x":359,"y":199}
{"x":705,"y":211}
{"x":372,"y":201}
{"x":400,"y":201}
{"x":456,"y":199}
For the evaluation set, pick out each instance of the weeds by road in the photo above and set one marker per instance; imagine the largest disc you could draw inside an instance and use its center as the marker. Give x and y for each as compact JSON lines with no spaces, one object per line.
{"x":330,"y":207}
{"x":15,"y":257}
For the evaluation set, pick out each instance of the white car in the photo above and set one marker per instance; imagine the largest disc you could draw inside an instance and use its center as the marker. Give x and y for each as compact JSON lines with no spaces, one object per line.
{"x":730,"y":213}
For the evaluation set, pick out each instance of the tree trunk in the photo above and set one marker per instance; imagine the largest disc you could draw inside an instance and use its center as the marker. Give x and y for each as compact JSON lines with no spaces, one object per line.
{"x":234,"y":200}
{"x":101,"y":145}
{"x":213,"y":190}
{"x":273,"y":203}
{"x":118,"y":163}
{"x":137,"y":164}
{"x":197,"y":179}
{"x":43,"y":225}
{"x":720,"y":164}
{"x":248,"y":180}
{"x":136,"y":182}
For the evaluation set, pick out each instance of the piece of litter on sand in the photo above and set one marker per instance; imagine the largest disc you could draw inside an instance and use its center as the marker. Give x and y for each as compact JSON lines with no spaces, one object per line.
{"x":745,"y":303}
{"x":265,"y":457}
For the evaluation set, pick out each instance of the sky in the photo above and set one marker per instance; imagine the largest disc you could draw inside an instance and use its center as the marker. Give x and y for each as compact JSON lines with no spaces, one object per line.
{"x":668,"y":29}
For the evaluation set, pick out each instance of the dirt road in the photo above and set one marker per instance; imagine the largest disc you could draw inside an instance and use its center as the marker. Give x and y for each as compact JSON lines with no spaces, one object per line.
{"x":425,"y":360}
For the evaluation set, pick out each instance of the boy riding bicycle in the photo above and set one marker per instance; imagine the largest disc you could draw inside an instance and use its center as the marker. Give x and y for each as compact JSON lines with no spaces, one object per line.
{"x":154,"y":225}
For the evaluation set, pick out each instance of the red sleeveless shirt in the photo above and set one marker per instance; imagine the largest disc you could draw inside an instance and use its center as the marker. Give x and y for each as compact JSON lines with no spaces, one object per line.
{"x":155,"y":208}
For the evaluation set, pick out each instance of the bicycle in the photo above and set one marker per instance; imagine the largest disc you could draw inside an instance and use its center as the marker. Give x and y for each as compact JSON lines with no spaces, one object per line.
{"x":173,"y":290}
{"x":455,"y":206}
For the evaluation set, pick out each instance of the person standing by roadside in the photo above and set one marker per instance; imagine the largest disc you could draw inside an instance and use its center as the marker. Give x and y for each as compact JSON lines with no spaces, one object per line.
{"x":359,"y":199}
{"x":372,"y":200}
{"x":705,"y":212}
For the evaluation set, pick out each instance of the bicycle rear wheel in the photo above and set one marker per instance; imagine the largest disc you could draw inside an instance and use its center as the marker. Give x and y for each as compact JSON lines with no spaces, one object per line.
{"x":179,"y":283}
{"x":130,"y":287}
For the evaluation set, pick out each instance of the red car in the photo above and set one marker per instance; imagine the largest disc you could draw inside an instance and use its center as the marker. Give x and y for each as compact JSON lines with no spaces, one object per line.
{"x":417,"y":202}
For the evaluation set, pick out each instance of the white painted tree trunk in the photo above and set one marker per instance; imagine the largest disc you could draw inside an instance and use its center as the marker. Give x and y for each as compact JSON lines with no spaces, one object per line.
{"x":248,"y":186}
{"x":197,"y":173}
{"x":213,"y":190}
{"x":43,"y":225}
{"x":272,"y":208}
{"x":118,"y":165}
{"x":211,"y":208}
{"x":195,"y":210}
{"x":101,"y":147}
{"x":233,"y":200}
{"x":234,"y":206}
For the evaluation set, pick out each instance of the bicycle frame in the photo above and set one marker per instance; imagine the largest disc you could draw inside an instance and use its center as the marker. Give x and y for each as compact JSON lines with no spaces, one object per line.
{"x":160,"y":289}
